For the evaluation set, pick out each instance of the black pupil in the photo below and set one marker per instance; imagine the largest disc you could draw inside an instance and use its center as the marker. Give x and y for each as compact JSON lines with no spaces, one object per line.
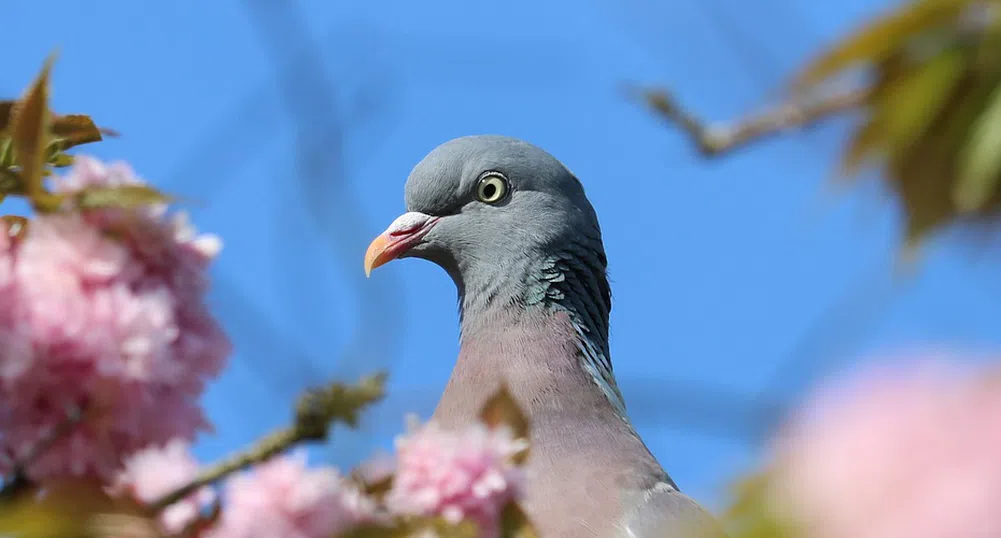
{"x":489,"y":190}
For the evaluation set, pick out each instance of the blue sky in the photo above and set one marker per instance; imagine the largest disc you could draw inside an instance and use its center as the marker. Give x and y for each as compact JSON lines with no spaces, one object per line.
{"x":294,"y":130}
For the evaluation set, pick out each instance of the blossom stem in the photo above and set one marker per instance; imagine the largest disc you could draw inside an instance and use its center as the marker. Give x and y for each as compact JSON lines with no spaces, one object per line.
{"x":316,"y":411}
{"x":263,"y":450}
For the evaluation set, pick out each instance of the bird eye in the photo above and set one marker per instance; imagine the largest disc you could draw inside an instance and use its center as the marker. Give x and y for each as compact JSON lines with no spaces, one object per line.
{"x":492,"y":188}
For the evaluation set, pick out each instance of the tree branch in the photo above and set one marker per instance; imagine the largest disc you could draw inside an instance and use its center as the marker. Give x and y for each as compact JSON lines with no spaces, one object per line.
{"x":713,"y":140}
{"x":315,"y":412}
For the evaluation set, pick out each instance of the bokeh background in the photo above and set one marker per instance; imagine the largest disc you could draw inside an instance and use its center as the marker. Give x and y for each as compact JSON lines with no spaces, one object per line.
{"x":290,"y":128}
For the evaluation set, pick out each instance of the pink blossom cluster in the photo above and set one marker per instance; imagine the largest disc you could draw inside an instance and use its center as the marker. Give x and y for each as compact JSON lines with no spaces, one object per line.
{"x":156,"y":471}
{"x":464,"y":474}
{"x":461,"y":475}
{"x":280,"y":497}
{"x":103,"y":310}
{"x":896,"y":453}
{"x":283,"y":497}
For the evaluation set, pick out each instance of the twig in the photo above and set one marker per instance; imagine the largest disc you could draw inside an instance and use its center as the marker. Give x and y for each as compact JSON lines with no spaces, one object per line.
{"x":19,"y":477}
{"x":316,"y":411}
{"x":713,"y":140}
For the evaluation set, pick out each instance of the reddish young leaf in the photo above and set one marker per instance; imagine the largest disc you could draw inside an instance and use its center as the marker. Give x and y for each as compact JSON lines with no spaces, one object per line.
{"x":501,"y":409}
{"x":29,"y":124}
{"x":74,"y":130}
{"x":16,"y":224}
{"x":516,"y":524}
{"x":6,"y":110}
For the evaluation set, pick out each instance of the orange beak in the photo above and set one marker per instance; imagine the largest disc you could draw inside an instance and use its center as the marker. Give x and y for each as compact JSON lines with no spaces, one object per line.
{"x":405,"y":232}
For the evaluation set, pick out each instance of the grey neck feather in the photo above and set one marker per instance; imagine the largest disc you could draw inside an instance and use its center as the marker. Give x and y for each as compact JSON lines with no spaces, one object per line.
{"x":571,"y":279}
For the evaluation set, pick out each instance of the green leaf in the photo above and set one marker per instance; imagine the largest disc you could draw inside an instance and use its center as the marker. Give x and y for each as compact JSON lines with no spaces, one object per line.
{"x":6,"y":152}
{"x":10,"y":182}
{"x":880,"y":38}
{"x":980,"y":167}
{"x":122,"y":196}
{"x":61,"y":160}
{"x":869,"y":140}
{"x":922,"y":177}
{"x":934,"y":167}
{"x":29,"y":130}
{"x":46,"y":202}
{"x":516,"y":524}
{"x":501,"y":409}
{"x":749,"y":514}
{"x":913,"y":101}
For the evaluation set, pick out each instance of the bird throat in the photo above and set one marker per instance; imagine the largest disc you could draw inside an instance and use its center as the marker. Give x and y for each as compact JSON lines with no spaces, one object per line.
{"x":536,"y":354}
{"x":545,"y":335}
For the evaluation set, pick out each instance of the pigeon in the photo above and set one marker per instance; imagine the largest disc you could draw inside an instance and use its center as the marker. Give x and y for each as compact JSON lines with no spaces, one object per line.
{"x":513,"y":228}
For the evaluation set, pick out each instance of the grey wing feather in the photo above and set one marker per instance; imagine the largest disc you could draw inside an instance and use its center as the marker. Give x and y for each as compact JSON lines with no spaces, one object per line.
{"x":665,"y":512}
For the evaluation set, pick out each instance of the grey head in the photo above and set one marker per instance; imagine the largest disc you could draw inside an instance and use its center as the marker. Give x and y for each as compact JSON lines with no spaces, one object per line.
{"x":513,"y":228}
{"x":488,"y":234}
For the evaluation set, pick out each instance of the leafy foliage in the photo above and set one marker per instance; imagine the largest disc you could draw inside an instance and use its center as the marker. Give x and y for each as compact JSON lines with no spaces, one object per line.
{"x":33,"y":140}
{"x":749,"y":514}
{"x":932,"y":107}
{"x":69,"y":508}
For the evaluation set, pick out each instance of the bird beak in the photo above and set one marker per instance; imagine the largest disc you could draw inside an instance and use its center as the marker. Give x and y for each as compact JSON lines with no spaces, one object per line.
{"x":405,"y":232}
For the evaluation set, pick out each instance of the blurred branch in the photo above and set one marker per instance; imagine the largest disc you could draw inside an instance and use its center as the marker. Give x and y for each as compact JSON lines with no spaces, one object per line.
{"x":231,"y":139}
{"x":19,"y":479}
{"x":308,"y":91}
{"x":248,"y":323}
{"x":713,"y":140}
{"x":315,"y":412}
{"x":261,"y":340}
